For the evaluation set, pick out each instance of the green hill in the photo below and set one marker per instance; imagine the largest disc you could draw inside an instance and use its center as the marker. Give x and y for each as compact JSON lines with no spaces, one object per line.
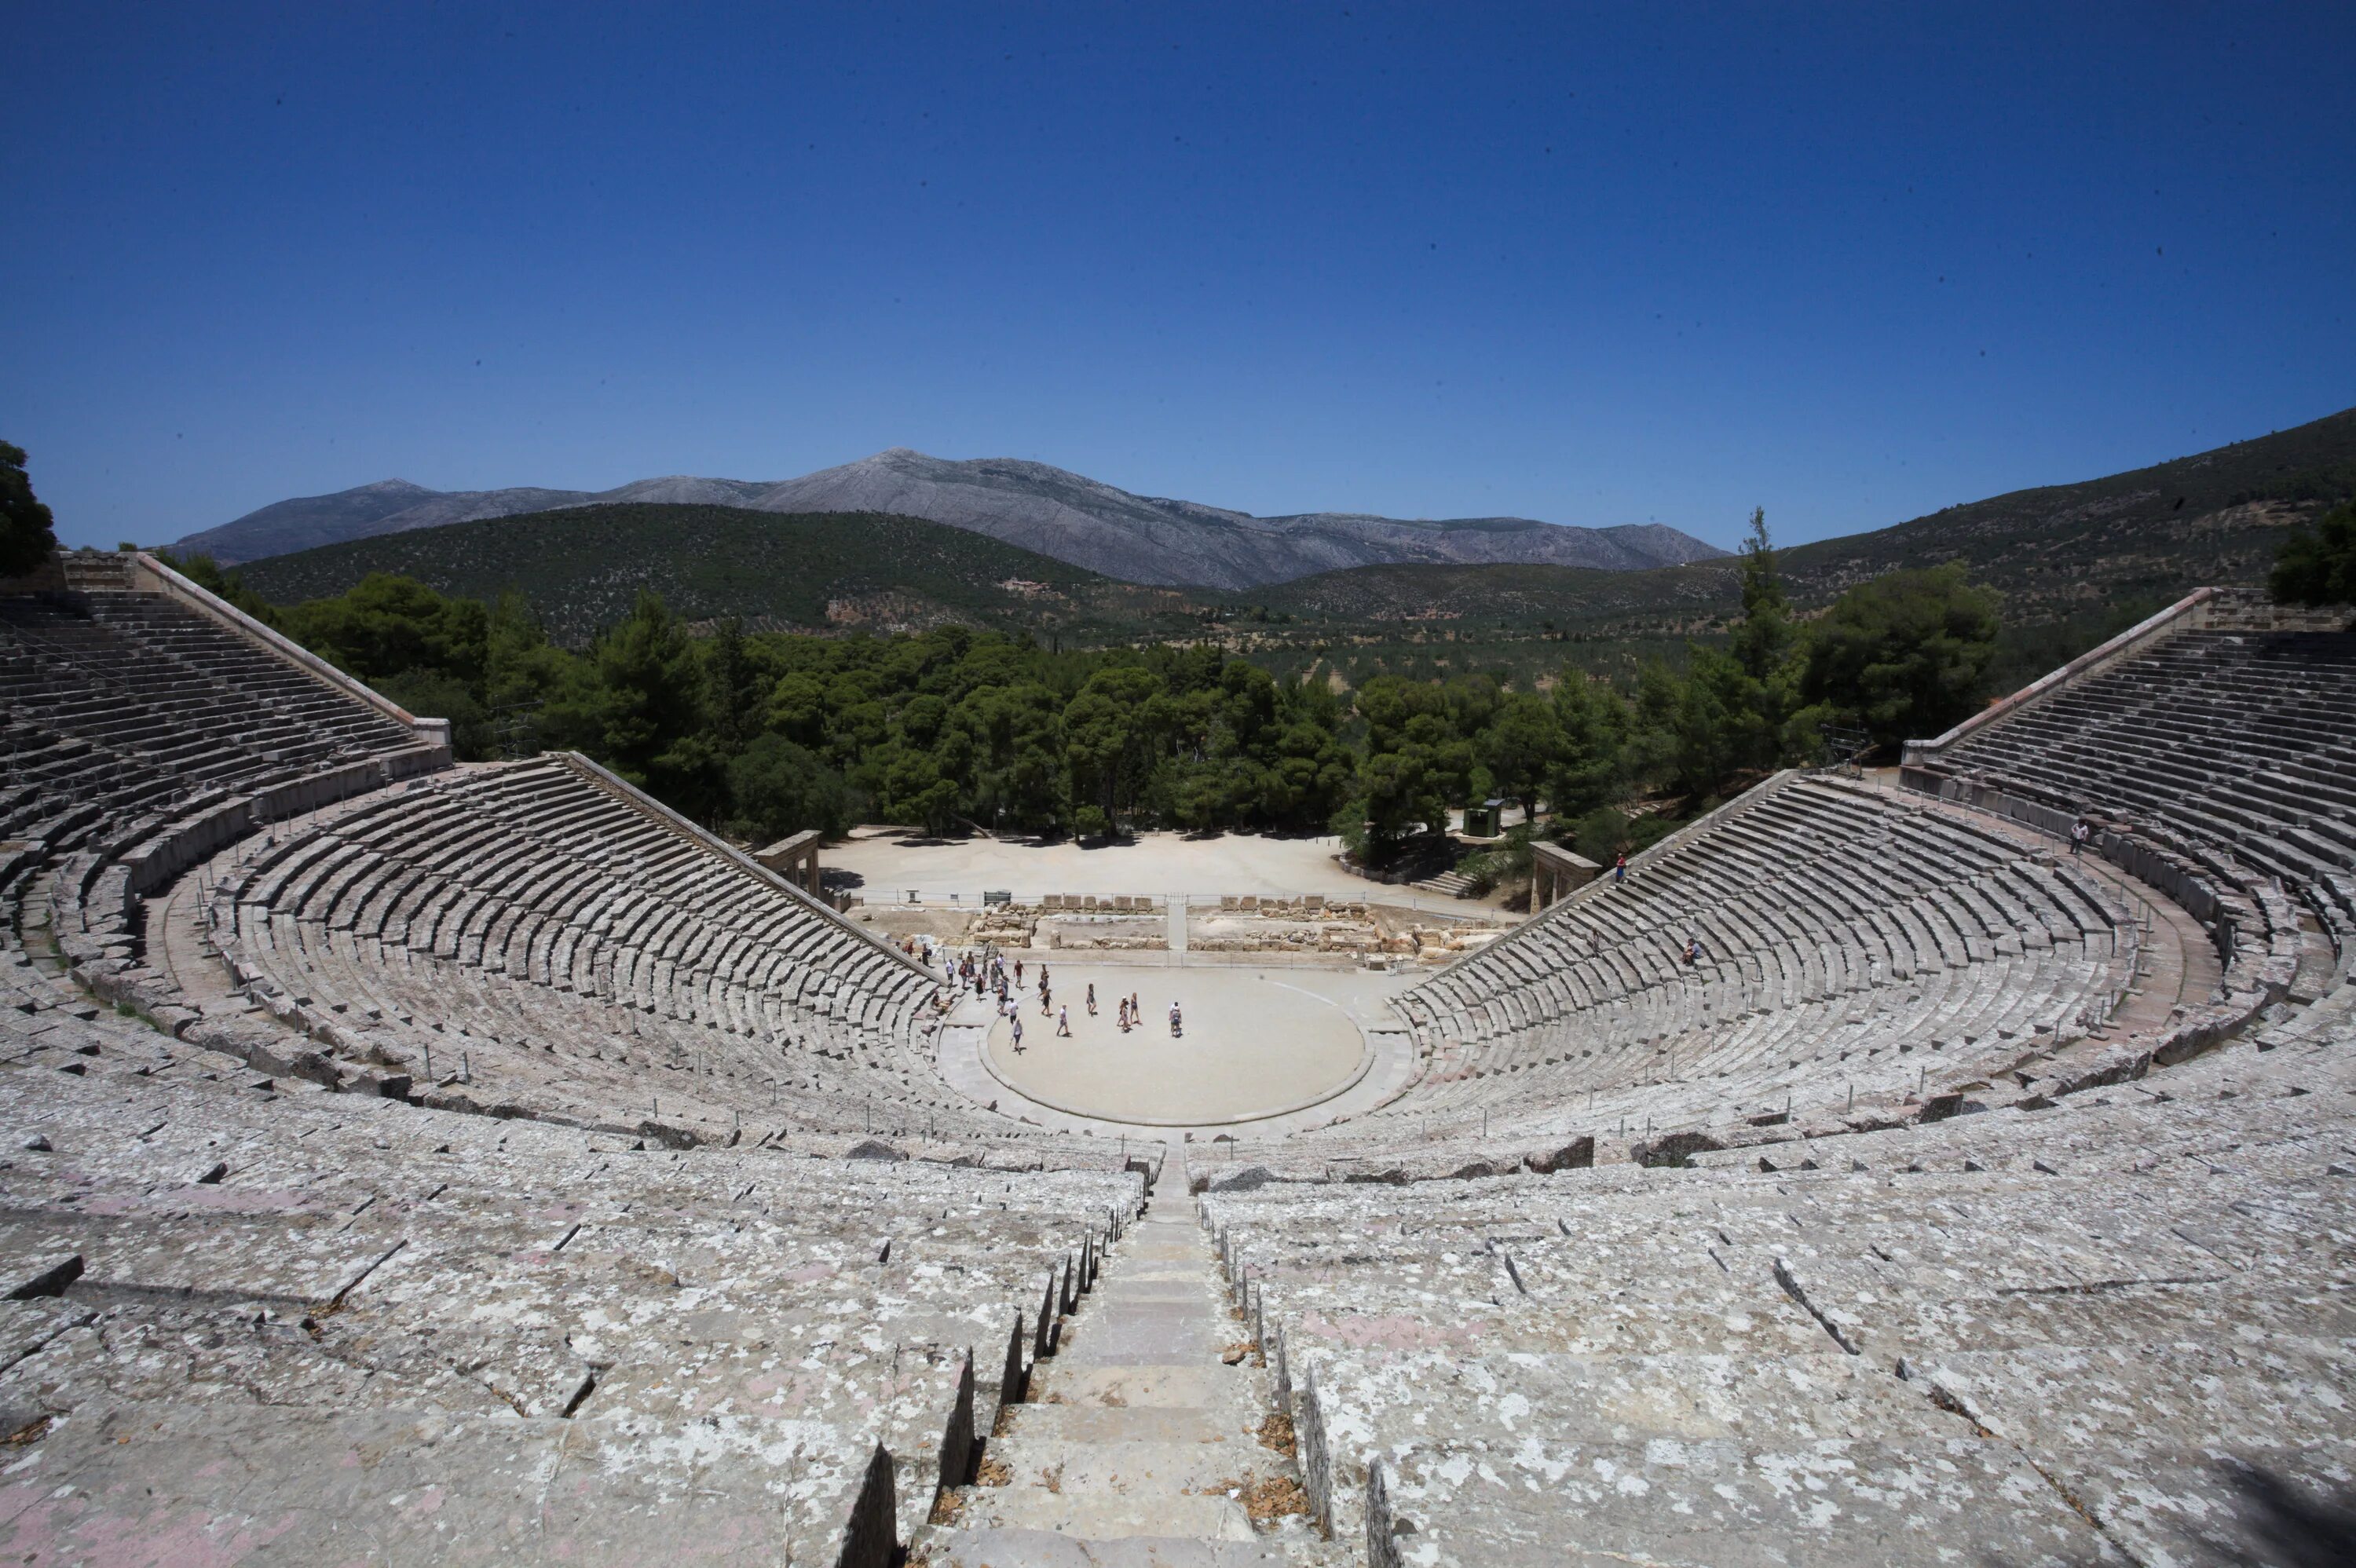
{"x":582,"y":567}
{"x":2058,"y":553}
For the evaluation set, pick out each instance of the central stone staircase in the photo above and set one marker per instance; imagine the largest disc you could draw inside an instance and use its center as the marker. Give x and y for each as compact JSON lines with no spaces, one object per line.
{"x":1149,"y":1440}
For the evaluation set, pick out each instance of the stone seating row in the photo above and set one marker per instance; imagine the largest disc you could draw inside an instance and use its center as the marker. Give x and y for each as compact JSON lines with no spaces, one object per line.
{"x":2241,"y":739}
{"x":1893,"y":1353}
{"x":100,"y":675}
{"x":412,"y":914}
{"x":172,"y":640}
{"x":662,"y":1078}
{"x":329,"y":1280}
{"x":1816,"y":861}
{"x":437,"y":870}
{"x":550,"y":996}
{"x":1852,"y":946}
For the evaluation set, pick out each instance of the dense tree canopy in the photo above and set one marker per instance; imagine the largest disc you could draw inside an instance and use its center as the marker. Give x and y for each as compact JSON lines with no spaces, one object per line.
{"x":2320,"y":568}
{"x":27,"y":534}
{"x":1901,"y":657}
{"x":764,"y":734}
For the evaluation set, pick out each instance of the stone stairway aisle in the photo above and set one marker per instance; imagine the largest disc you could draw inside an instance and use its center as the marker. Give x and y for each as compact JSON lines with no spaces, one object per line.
{"x":1147,"y":1440}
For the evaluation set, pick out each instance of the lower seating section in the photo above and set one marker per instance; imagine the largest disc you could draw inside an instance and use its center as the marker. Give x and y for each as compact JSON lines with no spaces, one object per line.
{"x":253,"y":1313}
{"x":2029,"y":1336}
{"x":1857,"y":953}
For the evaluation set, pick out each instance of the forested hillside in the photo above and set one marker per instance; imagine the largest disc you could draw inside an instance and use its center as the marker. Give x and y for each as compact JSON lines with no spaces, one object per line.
{"x":2057,"y":553}
{"x":2071,"y":563}
{"x":582,"y":567}
{"x":762,"y":733}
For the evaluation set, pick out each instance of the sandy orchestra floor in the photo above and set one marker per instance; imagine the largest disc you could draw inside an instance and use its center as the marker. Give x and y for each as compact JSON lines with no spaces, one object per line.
{"x":1255,"y":1042}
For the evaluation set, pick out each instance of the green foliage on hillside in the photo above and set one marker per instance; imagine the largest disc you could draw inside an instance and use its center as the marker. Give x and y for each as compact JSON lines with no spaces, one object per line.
{"x":2056,"y":554}
{"x":26,"y":532}
{"x":1901,"y":655}
{"x":582,"y":567}
{"x":2318,"y":568}
{"x":764,"y":733}
{"x":2072,"y":563}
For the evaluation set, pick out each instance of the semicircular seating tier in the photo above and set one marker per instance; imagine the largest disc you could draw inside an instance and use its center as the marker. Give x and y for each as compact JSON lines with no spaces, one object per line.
{"x":569,"y":949}
{"x":1834,"y":934}
{"x":2239,"y":739}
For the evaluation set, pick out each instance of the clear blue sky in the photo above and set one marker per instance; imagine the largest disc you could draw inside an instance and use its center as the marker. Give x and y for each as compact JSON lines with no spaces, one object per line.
{"x":1850,"y":264}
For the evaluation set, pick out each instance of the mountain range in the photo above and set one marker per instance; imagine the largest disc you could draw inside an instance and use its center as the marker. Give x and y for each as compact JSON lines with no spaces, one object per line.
{"x":2070,"y":557}
{"x":1048,"y":510}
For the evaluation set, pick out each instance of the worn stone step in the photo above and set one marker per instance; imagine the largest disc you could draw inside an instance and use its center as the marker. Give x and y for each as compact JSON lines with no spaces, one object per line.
{"x":1094,"y":1514}
{"x":1117,"y":1424}
{"x":1193,"y":1386}
{"x":993,"y":1547}
{"x":1207,"y":1463}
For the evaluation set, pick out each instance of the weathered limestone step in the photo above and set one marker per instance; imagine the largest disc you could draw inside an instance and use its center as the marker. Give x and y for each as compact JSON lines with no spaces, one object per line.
{"x":1138,"y":1329}
{"x":1098,"y":1515}
{"x":1118,"y":1423}
{"x":1205,"y":1468}
{"x":1169,"y":1388}
{"x":1044,"y":1549}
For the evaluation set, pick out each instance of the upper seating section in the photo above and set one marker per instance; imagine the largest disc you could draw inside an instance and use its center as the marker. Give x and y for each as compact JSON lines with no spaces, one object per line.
{"x":2245,"y":740}
{"x":129,"y":702}
{"x":143,"y":724}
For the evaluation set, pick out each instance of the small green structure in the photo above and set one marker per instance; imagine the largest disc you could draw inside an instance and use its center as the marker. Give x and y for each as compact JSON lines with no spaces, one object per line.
{"x":1481,"y":821}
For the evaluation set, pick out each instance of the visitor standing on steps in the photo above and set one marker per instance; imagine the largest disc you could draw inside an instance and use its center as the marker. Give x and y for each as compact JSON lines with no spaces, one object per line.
{"x":2078,"y":832}
{"x":1620,"y":868}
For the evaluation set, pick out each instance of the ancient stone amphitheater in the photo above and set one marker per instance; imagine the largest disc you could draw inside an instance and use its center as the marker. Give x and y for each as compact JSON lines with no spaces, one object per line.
{"x":408,"y":1163}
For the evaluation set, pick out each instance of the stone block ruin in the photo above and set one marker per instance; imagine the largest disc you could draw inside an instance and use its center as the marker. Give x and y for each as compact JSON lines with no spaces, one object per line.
{"x":433,"y":1162}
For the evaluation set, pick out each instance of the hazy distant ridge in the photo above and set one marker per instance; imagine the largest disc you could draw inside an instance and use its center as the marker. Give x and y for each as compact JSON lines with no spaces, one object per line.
{"x":1138,"y":539}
